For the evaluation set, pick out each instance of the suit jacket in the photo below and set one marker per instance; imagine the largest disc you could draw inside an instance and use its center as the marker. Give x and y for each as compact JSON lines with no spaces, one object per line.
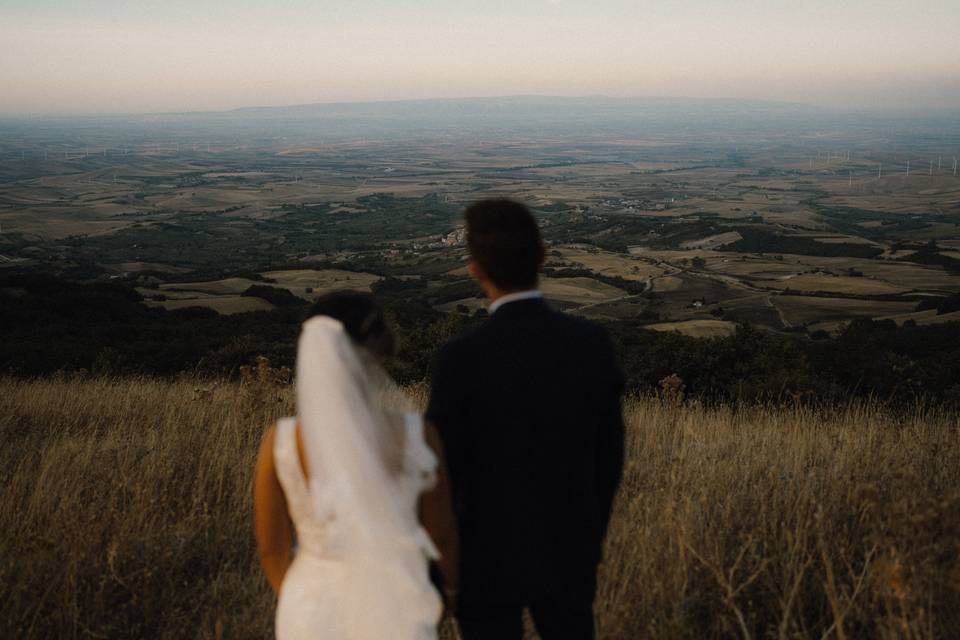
{"x":528,"y":406}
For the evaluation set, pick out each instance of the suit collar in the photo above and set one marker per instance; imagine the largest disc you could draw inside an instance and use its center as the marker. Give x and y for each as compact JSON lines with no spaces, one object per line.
{"x":511,"y":298}
{"x":520,"y":307}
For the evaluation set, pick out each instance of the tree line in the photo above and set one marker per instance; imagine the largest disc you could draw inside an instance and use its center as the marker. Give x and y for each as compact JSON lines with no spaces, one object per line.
{"x":52,"y":325}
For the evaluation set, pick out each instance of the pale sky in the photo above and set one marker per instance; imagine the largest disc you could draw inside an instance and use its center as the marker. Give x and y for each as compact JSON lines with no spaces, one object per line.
{"x":112,"y":56}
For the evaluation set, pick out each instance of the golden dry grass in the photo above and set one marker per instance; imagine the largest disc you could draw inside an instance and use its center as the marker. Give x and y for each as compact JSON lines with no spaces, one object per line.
{"x":125,"y":513}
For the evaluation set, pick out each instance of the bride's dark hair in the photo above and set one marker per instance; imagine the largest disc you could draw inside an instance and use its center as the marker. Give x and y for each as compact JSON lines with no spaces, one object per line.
{"x":362,"y":318}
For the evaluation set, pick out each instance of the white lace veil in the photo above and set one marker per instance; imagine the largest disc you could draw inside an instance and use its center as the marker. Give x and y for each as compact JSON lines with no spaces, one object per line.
{"x":351,"y":419}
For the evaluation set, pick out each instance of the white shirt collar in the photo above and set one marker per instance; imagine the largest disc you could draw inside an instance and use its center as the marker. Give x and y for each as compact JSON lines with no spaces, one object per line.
{"x":532,"y":294}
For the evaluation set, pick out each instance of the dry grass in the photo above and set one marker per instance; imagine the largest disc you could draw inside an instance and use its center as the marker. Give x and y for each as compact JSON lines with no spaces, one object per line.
{"x":125,"y":513}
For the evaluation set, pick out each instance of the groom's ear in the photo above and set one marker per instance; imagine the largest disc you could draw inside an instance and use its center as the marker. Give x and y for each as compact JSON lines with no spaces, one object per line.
{"x":476,"y":272}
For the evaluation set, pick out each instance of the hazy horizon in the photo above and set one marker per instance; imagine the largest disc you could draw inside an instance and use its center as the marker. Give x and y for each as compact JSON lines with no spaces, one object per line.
{"x":108,"y":57}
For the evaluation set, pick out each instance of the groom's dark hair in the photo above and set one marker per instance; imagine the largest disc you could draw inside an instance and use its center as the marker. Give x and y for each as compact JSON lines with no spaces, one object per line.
{"x":362,"y":317}
{"x":503,"y":238}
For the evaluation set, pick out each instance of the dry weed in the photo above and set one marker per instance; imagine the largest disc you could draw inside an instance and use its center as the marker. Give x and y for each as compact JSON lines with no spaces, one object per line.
{"x":125,"y":513}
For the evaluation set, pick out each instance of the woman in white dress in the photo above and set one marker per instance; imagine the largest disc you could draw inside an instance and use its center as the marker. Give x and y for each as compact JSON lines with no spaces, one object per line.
{"x":359,"y":481}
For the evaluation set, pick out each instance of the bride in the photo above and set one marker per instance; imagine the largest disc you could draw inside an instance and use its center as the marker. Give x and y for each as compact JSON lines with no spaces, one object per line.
{"x":359,"y":480}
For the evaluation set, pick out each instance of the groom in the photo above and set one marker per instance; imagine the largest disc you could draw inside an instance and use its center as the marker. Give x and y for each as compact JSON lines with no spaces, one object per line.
{"x":528,"y":408}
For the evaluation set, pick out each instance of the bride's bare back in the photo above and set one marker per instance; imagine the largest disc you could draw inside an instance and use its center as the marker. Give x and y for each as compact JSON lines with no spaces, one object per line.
{"x":361,"y":560}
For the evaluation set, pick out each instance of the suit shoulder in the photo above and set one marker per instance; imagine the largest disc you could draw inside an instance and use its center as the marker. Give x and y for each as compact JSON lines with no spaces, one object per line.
{"x":463,"y":342}
{"x":581,"y":327}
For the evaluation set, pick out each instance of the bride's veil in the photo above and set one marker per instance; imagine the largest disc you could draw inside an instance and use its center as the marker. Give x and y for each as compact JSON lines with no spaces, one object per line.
{"x":350,"y":436}
{"x":352,"y":426}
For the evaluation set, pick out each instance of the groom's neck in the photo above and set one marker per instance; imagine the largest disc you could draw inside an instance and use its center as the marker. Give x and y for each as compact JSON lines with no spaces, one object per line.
{"x":494,"y":293}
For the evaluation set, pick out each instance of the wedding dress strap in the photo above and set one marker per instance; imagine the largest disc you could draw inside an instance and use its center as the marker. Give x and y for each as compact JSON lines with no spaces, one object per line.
{"x":421,"y":466}
{"x":421,"y":462}
{"x":289,"y":470}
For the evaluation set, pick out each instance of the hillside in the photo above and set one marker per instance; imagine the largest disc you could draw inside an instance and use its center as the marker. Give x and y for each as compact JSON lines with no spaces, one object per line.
{"x":54,"y":325}
{"x":125,"y":513}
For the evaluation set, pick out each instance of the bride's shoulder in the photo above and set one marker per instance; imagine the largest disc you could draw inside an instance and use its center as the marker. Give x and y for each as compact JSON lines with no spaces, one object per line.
{"x":276,"y":434}
{"x":422,"y":452}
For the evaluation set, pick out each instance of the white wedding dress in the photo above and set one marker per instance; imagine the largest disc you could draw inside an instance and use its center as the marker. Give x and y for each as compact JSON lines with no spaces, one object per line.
{"x":360,"y":571}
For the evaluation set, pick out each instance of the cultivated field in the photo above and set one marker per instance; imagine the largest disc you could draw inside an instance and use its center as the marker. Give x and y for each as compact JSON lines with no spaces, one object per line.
{"x":697,"y":328}
{"x":798,"y":310}
{"x":749,"y":211}
{"x":610,"y":264}
{"x":223,"y":296}
{"x":225,"y":305}
{"x":125,"y":513}
{"x":579,"y":290}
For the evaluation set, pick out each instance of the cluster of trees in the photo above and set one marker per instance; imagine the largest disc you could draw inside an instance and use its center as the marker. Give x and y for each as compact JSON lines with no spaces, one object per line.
{"x":276,"y":296}
{"x":755,"y":240}
{"x":949,"y":304}
{"x":930,"y":254}
{"x":52,"y":325}
{"x":902,"y":365}
{"x":632,"y":287}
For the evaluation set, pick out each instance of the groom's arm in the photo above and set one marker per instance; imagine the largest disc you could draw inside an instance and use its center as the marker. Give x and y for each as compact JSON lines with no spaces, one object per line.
{"x":610,"y":433}
{"x":446,"y":408}
{"x":610,"y":451}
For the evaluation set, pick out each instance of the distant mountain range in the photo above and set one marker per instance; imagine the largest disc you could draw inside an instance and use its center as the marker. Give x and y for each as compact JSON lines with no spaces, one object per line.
{"x":552,"y":116}
{"x":525,"y":115}
{"x":532,"y":105}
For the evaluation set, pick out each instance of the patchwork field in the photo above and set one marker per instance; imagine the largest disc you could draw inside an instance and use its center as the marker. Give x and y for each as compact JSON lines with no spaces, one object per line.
{"x":686,"y":219}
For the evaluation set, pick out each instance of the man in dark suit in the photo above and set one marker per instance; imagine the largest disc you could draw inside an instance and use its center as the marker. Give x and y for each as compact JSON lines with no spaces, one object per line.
{"x":528,"y":408}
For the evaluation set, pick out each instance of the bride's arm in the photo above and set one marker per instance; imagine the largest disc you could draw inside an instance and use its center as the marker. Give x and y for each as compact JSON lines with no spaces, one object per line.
{"x":436,"y":516}
{"x":272,"y":526}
